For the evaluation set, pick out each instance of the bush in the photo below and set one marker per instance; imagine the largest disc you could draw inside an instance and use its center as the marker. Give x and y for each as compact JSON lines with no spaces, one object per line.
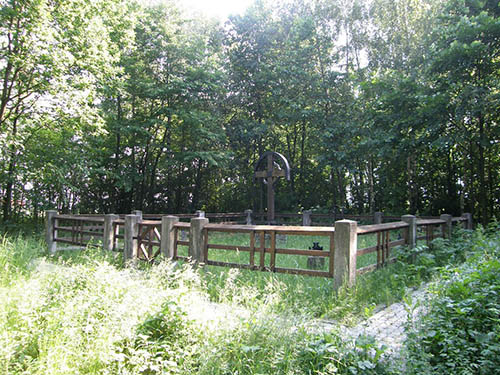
{"x":460,"y":334}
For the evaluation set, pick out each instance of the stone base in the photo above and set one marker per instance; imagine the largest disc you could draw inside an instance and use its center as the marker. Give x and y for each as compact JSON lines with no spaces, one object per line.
{"x":315,"y":263}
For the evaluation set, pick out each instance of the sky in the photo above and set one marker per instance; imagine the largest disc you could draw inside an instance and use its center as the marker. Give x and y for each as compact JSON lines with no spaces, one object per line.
{"x":220,"y":9}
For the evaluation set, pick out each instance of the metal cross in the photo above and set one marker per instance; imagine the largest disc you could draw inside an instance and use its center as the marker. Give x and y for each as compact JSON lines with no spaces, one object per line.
{"x":270,"y":175}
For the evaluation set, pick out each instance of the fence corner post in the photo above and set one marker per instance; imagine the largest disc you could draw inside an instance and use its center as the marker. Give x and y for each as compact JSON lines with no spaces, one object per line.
{"x":377,"y":217}
{"x":411,"y":239}
{"x":131,"y":244}
{"x":138,"y":213}
{"x":306,"y":218}
{"x":346,"y":247}
{"x":448,"y":226}
{"x":50,"y":231}
{"x":248,"y":214}
{"x":468,"y":222}
{"x":167,"y":235}
{"x":196,"y":239}
{"x":108,"y":239}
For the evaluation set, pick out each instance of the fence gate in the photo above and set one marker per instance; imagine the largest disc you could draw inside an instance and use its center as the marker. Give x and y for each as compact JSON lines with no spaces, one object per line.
{"x":148,"y":241}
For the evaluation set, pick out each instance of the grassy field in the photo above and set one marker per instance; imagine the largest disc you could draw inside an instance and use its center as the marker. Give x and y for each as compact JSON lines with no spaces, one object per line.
{"x":82,"y":312}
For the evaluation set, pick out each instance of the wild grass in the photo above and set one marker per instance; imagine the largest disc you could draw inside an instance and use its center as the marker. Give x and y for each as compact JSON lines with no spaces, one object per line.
{"x":82,"y":312}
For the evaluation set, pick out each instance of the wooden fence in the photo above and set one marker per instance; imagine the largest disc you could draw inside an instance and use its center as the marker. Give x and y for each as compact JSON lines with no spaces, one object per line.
{"x":142,"y":238}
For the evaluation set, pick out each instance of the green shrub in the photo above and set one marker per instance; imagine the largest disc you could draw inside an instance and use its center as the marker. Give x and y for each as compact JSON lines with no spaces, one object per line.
{"x":460,"y":334}
{"x":330,"y":354}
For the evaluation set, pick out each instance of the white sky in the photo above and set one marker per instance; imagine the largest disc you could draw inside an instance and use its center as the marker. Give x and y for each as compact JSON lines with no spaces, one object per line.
{"x":220,"y":9}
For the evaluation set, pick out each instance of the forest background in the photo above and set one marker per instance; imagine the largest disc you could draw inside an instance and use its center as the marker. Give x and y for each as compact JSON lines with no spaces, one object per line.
{"x":109,"y":105}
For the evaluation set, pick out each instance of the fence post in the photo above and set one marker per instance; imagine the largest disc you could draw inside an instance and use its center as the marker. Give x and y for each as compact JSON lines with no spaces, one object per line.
{"x":108,"y":237}
{"x":138,"y":213}
{"x":377,"y":218}
{"x":196,"y":242}
{"x":306,"y":218}
{"x":468,"y":223}
{"x":448,"y":226}
{"x":131,"y":244}
{"x":248,"y":214}
{"x":167,"y":235}
{"x":346,"y":246}
{"x":50,"y":232}
{"x":411,"y":240}
{"x":200,"y":213}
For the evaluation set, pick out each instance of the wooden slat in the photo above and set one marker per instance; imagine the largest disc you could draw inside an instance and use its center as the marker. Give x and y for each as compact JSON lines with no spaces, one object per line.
{"x":272,"y":261}
{"x":366,"y":250}
{"x":397,"y":243}
{"x":306,"y":231}
{"x":227,"y":264}
{"x":366,"y":229}
{"x":228,"y":247}
{"x":311,"y":253}
{"x":205,"y":244}
{"x":80,"y":218}
{"x":373,"y":267}
{"x":366,"y":269}
{"x":331,"y":265}
{"x":252,"y":249}
{"x":297,"y":271}
{"x":262,"y":249}
{"x":430,"y":222}
{"x":315,"y":253}
{"x":69,"y":228}
{"x":176,"y":242}
{"x":80,"y":243}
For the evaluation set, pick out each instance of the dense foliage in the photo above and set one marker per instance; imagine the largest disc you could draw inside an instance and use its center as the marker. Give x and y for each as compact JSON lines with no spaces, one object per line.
{"x":460,"y":334}
{"x":108,"y":106}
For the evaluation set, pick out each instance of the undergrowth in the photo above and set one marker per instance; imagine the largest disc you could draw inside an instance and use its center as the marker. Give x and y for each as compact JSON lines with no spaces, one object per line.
{"x":460,"y":333}
{"x":84,"y":313}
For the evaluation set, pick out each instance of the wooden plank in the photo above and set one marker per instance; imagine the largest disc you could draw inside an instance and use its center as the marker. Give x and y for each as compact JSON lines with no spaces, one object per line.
{"x":89,"y":228}
{"x":306,"y":231}
{"x":332,"y":252}
{"x":80,"y":243}
{"x":272,"y":262}
{"x":316,"y":253}
{"x":379,"y":249}
{"x":90,"y":233}
{"x":366,"y":269}
{"x":80,"y":218}
{"x":262,"y":249}
{"x":231,"y":265}
{"x":367,"y":229}
{"x":387,"y":247}
{"x":252,"y":249}
{"x":366,"y":250}
{"x":205,"y":244}
{"x":176,"y":241}
{"x":228,"y":247}
{"x":298,"y":271}
{"x":182,"y":225}
{"x":397,"y":243}
{"x":311,"y":253}
{"x":430,"y":222}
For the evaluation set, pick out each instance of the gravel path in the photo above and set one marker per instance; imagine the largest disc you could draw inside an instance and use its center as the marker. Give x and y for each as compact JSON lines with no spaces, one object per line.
{"x":387,"y":325}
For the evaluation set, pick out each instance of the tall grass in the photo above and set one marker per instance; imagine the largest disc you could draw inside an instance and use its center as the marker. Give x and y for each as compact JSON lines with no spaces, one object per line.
{"x":83,"y":313}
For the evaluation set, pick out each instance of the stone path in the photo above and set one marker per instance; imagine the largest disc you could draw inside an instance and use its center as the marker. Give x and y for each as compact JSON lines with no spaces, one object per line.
{"x":387,"y":325}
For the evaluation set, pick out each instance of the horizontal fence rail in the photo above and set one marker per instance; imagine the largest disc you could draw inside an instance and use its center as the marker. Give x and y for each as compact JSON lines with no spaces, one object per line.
{"x":262,"y":241}
{"x":349,"y":249}
{"x":384,"y":243}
